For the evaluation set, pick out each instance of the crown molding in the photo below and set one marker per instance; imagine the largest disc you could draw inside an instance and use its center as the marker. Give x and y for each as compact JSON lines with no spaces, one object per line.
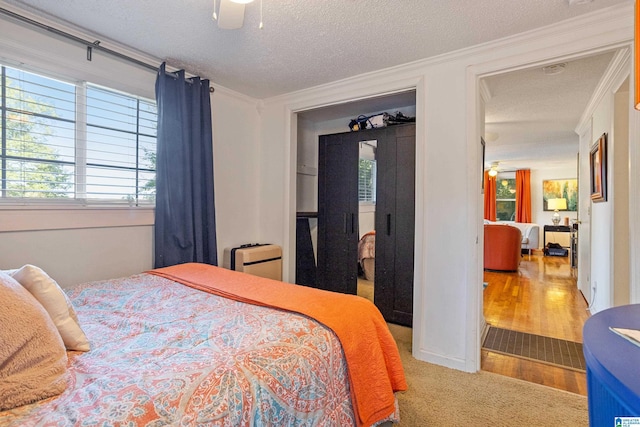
{"x":617,"y":20}
{"x":616,"y":72}
{"x":234,"y":94}
{"x":485,"y":92}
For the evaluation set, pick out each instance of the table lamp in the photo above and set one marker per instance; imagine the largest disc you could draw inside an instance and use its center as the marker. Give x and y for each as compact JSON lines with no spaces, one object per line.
{"x":556,"y":205}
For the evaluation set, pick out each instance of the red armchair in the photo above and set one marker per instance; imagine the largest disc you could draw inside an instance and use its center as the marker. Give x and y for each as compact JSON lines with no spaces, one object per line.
{"x":502,"y":247}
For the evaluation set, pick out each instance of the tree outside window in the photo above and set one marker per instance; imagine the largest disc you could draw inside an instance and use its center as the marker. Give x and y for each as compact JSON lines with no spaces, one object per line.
{"x":32,"y":167}
{"x":62,"y":140}
{"x":505,"y":199}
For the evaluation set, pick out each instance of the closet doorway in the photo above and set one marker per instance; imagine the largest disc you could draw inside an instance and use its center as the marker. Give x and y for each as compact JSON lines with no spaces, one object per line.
{"x":338,"y":216}
{"x":335,"y":227}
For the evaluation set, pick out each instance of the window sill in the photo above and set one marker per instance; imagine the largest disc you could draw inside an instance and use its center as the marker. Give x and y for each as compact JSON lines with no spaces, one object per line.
{"x":61,"y":218}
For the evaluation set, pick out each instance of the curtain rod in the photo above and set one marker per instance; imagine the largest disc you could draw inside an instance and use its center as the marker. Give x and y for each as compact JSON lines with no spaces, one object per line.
{"x":90,"y":45}
{"x":509,"y":170}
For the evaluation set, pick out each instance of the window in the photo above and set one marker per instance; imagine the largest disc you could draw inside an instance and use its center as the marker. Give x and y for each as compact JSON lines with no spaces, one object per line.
{"x":367,"y":172}
{"x":367,"y":181}
{"x":80,"y":142}
{"x":505,"y":199}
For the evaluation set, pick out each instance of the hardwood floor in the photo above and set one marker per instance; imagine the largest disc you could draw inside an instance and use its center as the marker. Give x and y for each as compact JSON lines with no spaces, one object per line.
{"x":541,"y":298}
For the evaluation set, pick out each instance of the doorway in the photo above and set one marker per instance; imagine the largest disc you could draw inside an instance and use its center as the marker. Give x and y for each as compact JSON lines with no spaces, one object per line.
{"x":525,"y":127}
{"x":334,"y":120}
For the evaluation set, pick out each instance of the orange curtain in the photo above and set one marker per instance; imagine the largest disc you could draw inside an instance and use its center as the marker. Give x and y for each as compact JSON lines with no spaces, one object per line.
{"x":489,"y":197}
{"x":523,"y":196}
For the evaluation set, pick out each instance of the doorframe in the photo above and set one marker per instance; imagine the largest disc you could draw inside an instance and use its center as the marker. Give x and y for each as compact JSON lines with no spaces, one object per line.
{"x":387,"y":84}
{"x":593,"y":32}
{"x":537,"y":58}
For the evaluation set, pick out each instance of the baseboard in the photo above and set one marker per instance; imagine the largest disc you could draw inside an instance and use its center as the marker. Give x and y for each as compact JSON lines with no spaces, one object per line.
{"x":438,"y":359}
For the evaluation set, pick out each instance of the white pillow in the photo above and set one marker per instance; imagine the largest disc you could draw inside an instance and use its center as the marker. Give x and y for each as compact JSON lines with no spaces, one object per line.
{"x":57,"y":304}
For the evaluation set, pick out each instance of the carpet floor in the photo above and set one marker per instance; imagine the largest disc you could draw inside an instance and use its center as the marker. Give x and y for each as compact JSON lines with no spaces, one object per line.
{"x":365,"y":288}
{"x":441,"y":396}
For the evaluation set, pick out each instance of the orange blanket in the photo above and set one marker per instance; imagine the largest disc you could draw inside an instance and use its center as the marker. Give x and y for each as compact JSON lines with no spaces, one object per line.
{"x":375,"y":369}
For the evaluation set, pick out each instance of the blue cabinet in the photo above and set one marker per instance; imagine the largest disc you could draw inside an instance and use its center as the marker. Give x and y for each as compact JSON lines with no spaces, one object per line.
{"x":613,"y":366}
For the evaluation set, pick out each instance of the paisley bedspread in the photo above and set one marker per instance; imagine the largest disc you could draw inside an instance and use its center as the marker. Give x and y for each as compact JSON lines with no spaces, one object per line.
{"x":166,"y":354}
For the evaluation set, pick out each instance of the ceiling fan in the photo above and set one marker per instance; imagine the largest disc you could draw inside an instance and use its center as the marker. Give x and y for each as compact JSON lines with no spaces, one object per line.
{"x":230,"y":15}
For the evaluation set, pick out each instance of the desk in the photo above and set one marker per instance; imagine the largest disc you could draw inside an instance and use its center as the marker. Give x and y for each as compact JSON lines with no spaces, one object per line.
{"x":613,"y":383}
{"x":557,"y":229}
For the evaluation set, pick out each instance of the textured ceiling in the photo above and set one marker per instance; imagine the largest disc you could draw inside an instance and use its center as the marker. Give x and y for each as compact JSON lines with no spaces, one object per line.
{"x":530,"y":118}
{"x":304,"y":42}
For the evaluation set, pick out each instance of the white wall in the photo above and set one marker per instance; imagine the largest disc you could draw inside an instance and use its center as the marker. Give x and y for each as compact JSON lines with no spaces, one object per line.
{"x":447,"y":299}
{"x":236,"y":169}
{"x":24,"y":46}
{"x":620,"y":196}
{"x":79,"y":244}
{"x":307,"y":167}
{"x":74,"y":256}
{"x":608,"y":276}
{"x":307,"y":154}
{"x":443,"y":286}
{"x":601,"y":219}
{"x":539,"y":215}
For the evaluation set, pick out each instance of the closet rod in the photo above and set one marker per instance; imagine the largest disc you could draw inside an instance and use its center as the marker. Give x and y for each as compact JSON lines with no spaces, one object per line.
{"x":89,"y":45}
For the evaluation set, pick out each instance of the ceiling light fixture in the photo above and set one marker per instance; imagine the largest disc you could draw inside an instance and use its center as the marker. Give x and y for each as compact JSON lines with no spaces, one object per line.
{"x":491,"y":136}
{"x":494,"y":169}
{"x":553,"y":69}
{"x":230,"y":15}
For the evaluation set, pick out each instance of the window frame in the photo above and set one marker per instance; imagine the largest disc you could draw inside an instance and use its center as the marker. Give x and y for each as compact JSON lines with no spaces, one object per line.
{"x":499,"y":178}
{"x":80,"y":154}
{"x":374,"y":170}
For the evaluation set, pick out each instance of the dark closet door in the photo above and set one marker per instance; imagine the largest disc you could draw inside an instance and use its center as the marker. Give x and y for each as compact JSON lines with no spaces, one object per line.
{"x":395,"y":224}
{"x":338,"y":213}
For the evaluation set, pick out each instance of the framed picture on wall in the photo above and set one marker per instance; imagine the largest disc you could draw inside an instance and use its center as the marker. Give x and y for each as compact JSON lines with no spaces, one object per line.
{"x":598,"y":167}
{"x":560,"y":189}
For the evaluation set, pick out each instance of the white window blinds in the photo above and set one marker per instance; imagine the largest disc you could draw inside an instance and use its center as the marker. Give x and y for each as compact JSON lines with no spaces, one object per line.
{"x":75,"y":141}
{"x":367,"y":181}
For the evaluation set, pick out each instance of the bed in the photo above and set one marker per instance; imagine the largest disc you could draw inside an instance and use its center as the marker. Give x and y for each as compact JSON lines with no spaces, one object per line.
{"x":367,"y":254}
{"x":199,"y":345}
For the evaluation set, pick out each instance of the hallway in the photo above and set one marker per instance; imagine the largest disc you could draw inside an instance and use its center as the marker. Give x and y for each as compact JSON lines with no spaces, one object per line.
{"x":541,"y":298}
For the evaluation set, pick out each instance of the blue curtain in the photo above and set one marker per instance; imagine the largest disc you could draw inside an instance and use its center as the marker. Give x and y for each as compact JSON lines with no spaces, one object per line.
{"x":185,"y":224}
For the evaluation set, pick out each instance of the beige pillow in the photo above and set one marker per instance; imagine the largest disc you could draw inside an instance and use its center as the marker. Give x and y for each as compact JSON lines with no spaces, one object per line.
{"x":33,"y":360}
{"x":57,"y":304}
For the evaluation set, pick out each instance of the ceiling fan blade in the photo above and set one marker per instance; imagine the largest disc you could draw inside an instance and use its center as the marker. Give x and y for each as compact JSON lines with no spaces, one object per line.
{"x":230,"y":15}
